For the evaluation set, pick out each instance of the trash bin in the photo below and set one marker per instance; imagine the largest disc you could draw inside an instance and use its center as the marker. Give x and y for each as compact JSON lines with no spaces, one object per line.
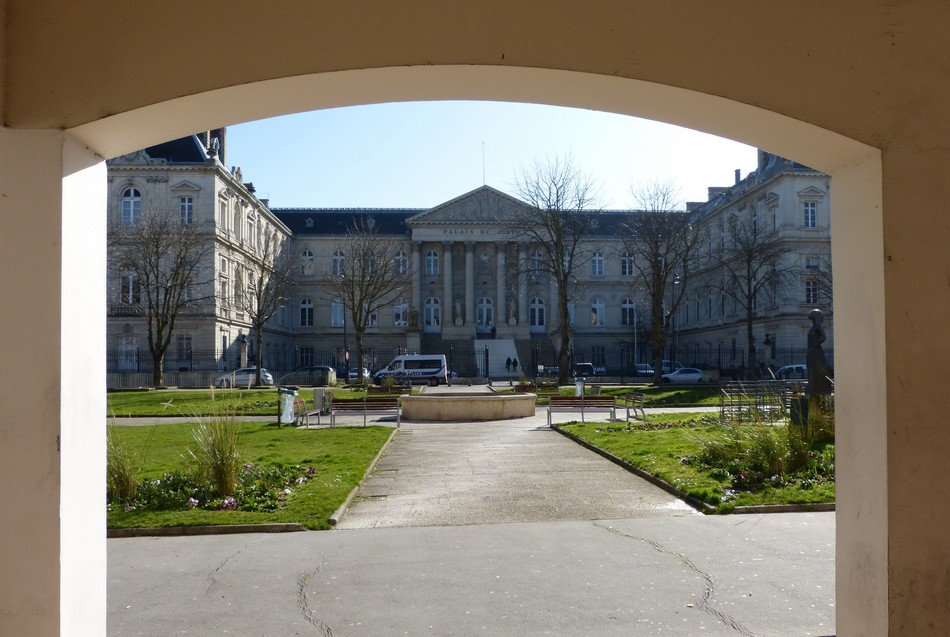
{"x":798,"y":412}
{"x":579,"y":386}
{"x":285,"y":404}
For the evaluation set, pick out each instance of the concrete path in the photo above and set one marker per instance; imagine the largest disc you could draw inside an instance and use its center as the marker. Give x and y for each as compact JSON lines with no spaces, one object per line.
{"x":730,"y":576}
{"x":438,"y":474}
{"x":502,"y":529}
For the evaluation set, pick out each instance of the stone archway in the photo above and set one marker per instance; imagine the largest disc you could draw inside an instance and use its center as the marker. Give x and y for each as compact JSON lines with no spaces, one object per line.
{"x":854,"y":167}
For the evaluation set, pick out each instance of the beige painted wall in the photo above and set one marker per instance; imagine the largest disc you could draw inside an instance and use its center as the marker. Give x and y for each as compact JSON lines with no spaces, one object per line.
{"x":823,"y":83}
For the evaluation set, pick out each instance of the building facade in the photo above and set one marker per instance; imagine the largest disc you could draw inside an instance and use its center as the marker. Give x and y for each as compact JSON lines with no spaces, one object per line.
{"x":475,"y":289}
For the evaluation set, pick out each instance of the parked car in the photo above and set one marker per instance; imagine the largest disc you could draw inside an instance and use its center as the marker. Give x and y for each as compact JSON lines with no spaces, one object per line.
{"x":642,"y":369}
{"x":684,"y":375}
{"x":671,"y":366}
{"x":360,"y":375}
{"x":583,"y":370}
{"x":244,"y":377}
{"x":792,"y":372}
{"x":318,"y":375}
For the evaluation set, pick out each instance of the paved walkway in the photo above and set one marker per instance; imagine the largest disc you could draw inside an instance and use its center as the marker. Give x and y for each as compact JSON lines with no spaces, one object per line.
{"x":437,"y":474}
{"x":502,"y":529}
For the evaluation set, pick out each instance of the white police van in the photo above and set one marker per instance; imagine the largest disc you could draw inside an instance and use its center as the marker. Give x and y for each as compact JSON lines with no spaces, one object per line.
{"x":415,"y":368}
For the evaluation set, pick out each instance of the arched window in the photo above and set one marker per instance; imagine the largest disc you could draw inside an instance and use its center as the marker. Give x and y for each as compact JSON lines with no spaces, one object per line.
{"x":337,"y":313}
{"x":131,"y":207}
{"x":337,"y":263}
{"x":402,"y":262}
{"x":432,"y":315}
{"x":401,"y":313}
{"x":536,"y":319}
{"x":306,"y":263}
{"x":306,"y":313}
{"x":628,"y":313}
{"x":597,"y":264}
{"x":597,"y":310}
{"x":432,"y":263}
{"x":485,"y":313}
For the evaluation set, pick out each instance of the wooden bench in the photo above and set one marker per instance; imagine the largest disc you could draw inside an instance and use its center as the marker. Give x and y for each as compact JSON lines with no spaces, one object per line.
{"x":582,"y":404}
{"x":634,"y":402}
{"x":397,"y":390}
{"x":369,"y":405}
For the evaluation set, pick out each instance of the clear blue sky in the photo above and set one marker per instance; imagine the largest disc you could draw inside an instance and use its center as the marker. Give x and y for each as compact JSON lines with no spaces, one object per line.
{"x":418,"y":155}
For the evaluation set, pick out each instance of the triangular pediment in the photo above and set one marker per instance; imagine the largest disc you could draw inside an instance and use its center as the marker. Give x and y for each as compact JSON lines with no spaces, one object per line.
{"x":484,"y":206}
{"x":186,"y":185}
{"x":811,"y":191}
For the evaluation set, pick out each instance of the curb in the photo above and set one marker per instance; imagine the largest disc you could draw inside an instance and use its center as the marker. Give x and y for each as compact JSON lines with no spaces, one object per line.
{"x":222,"y":529}
{"x":700,"y":506}
{"x":343,"y":508}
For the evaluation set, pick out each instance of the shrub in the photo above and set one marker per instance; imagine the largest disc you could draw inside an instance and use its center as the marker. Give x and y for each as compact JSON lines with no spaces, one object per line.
{"x":121,"y":468}
{"x":216,"y":455}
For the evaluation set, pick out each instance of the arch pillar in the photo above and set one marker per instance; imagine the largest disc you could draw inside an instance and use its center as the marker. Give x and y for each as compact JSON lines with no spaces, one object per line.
{"x":53,"y":529}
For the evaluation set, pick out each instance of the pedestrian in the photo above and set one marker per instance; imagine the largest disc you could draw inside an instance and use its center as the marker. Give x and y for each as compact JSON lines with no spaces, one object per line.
{"x":514,"y":365}
{"x":508,"y":364}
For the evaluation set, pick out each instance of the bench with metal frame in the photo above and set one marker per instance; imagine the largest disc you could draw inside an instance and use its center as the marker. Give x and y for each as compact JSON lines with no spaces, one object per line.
{"x":582,"y":404}
{"x":367,"y":406}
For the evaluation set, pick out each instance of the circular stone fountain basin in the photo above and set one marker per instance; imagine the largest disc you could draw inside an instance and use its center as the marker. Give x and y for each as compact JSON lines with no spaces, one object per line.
{"x":467,"y":407}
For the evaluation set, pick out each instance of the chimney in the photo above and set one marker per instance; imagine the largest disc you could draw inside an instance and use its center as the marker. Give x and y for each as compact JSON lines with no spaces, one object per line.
{"x":738,"y":178}
{"x":763,"y":160}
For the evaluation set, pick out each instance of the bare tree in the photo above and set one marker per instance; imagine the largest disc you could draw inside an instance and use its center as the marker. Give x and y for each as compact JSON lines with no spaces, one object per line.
{"x":269,"y":277}
{"x":661,"y":241}
{"x":163,"y":266}
{"x":563,"y":204}
{"x":752,"y":269}
{"x":371,"y":275}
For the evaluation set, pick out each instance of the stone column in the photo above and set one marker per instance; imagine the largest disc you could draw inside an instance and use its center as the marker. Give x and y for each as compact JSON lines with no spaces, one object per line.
{"x":522,"y":288}
{"x":470,"y":283}
{"x":417,"y":266}
{"x":53,"y":455}
{"x":448,"y":316}
{"x":501,"y":313}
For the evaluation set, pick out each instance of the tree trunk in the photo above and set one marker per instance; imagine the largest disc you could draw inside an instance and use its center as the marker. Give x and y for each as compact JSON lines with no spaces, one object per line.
{"x":260,"y":350}
{"x":158,"y":364}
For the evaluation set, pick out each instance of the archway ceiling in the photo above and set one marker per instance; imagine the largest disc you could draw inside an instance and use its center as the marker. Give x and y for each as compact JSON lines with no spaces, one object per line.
{"x":873,"y":73}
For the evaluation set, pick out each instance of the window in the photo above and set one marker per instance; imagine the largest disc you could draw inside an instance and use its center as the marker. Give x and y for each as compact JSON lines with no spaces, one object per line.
{"x":337,"y":313}
{"x":224,"y":283}
{"x":597,"y":313}
{"x":432,"y":314}
{"x":597,"y":264}
{"x":811,"y":292}
{"x":401,"y":313}
{"x":626,"y":265}
{"x":371,"y":317}
{"x":484,"y":313}
{"x":811,"y":263}
{"x":628,"y":312}
{"x":306,"y":357}
{"x":186,"y":210}
{"x":306,"y":263}
{"x":402,"y":262}
{"x":131,"y":207}
{"x":130,"y":292}
{"x":535,"y":262}
{"x":337,"y":263}
{"x":432,"y":263}
{"x":536,"y":312}
{"x":570,"y":313}
{"x":183,"y":349}
{"x":306,"y":313}
{"x":238,"y":288}
{"x":810,"y":209}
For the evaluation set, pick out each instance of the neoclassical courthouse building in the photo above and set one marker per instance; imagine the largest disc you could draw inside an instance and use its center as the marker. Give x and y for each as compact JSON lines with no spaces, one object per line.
{"x":466,"y":293}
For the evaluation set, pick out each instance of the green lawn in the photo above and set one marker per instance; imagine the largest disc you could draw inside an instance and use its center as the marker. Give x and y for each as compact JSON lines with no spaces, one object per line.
{"x":669,"y":447}
{"x":204,"y":402}
{"x":340,"y":457}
